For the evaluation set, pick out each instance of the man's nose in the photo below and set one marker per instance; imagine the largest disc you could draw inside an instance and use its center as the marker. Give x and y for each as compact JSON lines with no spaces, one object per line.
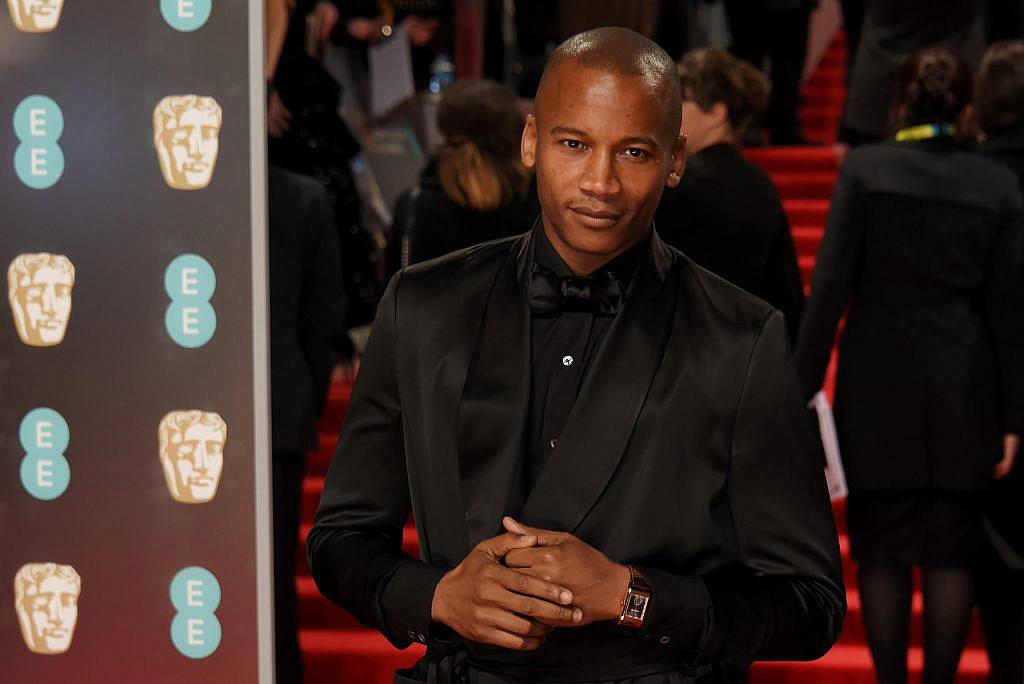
{"x":54,"y":611}
{"x":195,"y":143}
{"x":599,"y":175}
{"x":200,"y":459}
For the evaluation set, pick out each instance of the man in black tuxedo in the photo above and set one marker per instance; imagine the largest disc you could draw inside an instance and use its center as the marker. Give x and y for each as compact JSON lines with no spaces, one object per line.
{"x":604,"y":447}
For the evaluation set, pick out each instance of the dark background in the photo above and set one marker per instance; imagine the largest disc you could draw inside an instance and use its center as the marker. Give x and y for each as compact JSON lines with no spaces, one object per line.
{"x":117,"y":372}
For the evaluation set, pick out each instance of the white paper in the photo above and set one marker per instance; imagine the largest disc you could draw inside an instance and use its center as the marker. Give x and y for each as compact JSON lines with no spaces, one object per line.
{"x":391,"y":81}
{"x":835,"y":476}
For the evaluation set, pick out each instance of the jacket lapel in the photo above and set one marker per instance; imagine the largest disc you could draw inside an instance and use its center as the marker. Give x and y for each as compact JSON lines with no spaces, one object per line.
{"x":599,"y":428}
{"x":494,"y":406}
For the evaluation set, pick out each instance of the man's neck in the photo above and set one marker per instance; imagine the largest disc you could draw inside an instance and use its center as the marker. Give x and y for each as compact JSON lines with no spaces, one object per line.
{"x":719,"y":135}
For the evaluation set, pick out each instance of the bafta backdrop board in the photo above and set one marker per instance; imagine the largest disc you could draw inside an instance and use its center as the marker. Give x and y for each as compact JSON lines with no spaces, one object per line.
{"x":134,"y":492}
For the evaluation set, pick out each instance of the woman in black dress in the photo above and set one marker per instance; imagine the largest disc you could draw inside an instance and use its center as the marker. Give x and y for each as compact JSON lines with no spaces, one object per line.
{"x":922,"y":244}
{"x":475,"y":189}
{"x":999,"y":105}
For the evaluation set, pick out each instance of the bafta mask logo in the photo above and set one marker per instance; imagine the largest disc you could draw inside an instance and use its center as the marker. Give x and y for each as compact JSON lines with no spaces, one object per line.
{"x":192,"y":454}
{"x":186,"y":130}
{"x":35,"y":16}
{"x":39,"y":290}
{"x":46,"y":601}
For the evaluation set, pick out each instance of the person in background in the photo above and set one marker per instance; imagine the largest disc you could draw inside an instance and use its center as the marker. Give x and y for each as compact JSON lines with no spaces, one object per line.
{"x":999,"y":110}
{"x":892,"y":31}
{"x":725,"y":214}
{"x":776,"y":29}
{"x":476,"y":188}
{"x":923,"y":243}
{"x":307,"y":329}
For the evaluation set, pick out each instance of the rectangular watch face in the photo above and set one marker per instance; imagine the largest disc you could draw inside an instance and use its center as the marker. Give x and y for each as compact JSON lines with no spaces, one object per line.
{"x":636,"y":606}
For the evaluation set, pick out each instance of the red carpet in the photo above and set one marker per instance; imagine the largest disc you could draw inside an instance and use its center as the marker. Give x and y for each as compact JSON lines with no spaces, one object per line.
{"x":338,"y":651}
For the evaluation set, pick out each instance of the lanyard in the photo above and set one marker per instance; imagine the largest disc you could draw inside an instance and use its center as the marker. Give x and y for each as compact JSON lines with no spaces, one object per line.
{"x":924,"y":132}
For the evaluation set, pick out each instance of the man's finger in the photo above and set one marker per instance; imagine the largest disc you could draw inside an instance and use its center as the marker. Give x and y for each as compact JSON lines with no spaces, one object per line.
{"x":514,"y":624}
{"x":544,"y":537}
{"x":502,"y":544}
{"x":514,"y":642}
{"x":539,"y":609}
{"x":534,"y":586}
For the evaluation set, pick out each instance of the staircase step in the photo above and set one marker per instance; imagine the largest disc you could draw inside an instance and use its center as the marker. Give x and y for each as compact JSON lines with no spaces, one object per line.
{"x":803,"y":212}
{"x":802,"y":159}
{"x":334,"y":409}
{"x":852,"y":665}
{"x":804,"y":185}
{"x":806,"y":239}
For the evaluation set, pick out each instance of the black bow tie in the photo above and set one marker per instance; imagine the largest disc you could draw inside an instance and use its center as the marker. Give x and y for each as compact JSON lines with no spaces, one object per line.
{"x":551,"y":293}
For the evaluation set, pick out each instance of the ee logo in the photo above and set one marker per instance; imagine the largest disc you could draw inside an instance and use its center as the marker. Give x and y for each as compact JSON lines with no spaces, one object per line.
{"x":195,"y":595}
{"x":38,"y":124}
{"x":190,"y":283}
{"x":186,"y":15}
{"x":44,"y":436}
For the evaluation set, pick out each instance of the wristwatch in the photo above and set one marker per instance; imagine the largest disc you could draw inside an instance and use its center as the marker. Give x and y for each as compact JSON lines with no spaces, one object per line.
{"x":634,"y":606}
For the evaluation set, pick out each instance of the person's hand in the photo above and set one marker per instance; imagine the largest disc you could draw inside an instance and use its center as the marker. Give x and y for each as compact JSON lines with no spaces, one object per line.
{"x":421,"y":31}
{"x":489,"y":603}
{"x":366,"y":30}
{"x":328,"y":14}
{"x":278,"y":116}
{"x":598,"y":584}
{"x":1011,"y":445}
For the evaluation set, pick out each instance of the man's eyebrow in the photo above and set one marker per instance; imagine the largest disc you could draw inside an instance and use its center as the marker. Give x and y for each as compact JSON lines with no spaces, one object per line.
{"x":642,"y":140}
{"x":566,"y":130}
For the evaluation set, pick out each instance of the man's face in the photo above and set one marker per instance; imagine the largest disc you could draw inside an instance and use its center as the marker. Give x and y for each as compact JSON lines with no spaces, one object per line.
{"x":603,"y":151}
{"x":42,"y":303}
{"x":52,"y":610}
{"x":190,"y":148}
{"x":196,"y":455}
{"x":36,"y":16}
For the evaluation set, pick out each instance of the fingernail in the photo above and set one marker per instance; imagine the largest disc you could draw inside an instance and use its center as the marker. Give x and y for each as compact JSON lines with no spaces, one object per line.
{"x":577,"y":615}
{"x":565,"y":597}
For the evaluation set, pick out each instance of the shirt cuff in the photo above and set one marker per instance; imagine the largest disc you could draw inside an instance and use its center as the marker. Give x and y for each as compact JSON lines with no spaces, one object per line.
{"x":406,"y":601}
{"x":679,"y":612}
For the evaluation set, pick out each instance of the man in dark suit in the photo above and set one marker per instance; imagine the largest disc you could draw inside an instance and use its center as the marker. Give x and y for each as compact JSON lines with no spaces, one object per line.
{"x":307,"y":325}
{"x":604,"y":446}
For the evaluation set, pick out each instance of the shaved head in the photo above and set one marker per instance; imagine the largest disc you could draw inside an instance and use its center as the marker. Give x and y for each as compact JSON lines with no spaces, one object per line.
{"x":624,"y":52}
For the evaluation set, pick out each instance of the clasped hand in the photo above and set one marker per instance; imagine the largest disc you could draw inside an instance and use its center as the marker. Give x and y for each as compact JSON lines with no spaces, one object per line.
{"x":513,"y":589}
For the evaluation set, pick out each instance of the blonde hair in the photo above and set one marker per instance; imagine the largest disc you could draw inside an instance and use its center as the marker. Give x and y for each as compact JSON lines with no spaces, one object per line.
{"x":479,"y":166}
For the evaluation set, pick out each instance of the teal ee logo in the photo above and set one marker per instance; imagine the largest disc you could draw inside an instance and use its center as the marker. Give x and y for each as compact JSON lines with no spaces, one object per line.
{"x":44,"y":436}
{"x":38,"y":124}
{"x":195,"y":595}
{"x":186,"y":15}
{"x":190,"y":283}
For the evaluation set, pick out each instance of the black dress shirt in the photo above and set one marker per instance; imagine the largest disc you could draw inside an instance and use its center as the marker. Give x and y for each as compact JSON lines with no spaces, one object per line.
{"x":562,"y":349}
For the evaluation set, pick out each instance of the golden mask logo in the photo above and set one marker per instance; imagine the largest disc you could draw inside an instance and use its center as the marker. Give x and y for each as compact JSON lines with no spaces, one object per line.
{"x":186,"y":130}
{"x":192,"y":454}
{"x":46,"y":601}
{"x":39,"y":290}
{"x":35,"y":16}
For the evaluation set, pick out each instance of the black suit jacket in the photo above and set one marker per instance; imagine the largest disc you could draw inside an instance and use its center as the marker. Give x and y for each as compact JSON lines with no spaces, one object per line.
{"x":726,"y":215}
{"x":687,"y":453}
{"x":924,"y":243}
{"x":307,"y":306}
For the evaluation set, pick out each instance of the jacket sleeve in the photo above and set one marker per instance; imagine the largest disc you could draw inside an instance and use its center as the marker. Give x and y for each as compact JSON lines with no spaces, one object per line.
{"x":834,"y":269}
{"x":354,"y":548}
{"x":783,"y":598}
{"x":1006,"y":307}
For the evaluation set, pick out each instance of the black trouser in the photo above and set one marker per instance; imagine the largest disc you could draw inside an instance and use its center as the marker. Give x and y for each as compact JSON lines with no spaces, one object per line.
{"x":1000,"y":595}
{"x":758,"y":32}
{"x":287,"y":484}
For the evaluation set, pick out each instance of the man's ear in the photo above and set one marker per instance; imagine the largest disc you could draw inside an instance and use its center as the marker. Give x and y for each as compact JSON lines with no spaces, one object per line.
{"x":678,"y":165}
{"x":528,"y":145}
{"x":719,"y":113}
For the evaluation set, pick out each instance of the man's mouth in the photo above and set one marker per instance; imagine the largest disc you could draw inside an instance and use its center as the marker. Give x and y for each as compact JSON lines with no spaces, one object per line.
{"x":595,"y":217}
{"x":55,"y":632}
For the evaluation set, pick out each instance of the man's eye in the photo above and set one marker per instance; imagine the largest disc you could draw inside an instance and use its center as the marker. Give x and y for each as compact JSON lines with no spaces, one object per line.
{"x":636,"y":153}
{"x":573,"y":144}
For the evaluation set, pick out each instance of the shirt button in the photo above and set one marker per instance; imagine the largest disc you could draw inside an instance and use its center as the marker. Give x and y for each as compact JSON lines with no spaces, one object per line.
{"x":553,"y":442}
{"x":412,"y":634}
{"x":567,"y":361}
{"x":664,"y":640}
{"x":421,"y":638}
